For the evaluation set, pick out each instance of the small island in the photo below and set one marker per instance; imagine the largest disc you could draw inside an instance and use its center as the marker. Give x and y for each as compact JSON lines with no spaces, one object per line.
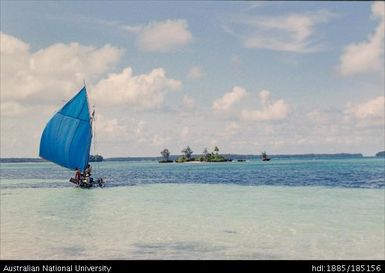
{"x":187,"y":153}
{"x":96,"y":158}
{"x":186,"y":157}
{"x":264,"y":157}
{"x":380,"y":154}
{"x":213,"y":156}
{"x":166,"y":156}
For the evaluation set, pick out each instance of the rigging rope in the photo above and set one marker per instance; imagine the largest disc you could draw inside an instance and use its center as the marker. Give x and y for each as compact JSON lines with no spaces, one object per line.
{"x":94,"y":132}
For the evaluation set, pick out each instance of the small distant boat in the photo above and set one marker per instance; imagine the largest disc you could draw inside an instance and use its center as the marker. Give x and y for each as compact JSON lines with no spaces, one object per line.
{"x":66,"y":139}
{"x":264,"y":157}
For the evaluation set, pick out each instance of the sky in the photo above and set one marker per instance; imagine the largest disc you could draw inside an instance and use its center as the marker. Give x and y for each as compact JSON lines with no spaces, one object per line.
{"x":281,"y":77}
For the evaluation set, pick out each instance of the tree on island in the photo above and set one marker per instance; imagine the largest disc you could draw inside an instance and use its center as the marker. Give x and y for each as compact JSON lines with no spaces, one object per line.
{"x":216,"y":157}
{"x":166,"y":155}
{"x":187,"y":153}
{"x":206,"y":155}
{"x":213,"y":157}
{"x":264,"y":157}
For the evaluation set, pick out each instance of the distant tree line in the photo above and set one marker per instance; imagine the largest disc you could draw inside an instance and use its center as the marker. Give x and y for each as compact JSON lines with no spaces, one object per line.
{"x":206,"y":154}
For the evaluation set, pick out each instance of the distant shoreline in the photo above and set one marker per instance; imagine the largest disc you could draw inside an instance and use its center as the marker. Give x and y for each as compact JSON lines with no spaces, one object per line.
{"x":232,"y":156}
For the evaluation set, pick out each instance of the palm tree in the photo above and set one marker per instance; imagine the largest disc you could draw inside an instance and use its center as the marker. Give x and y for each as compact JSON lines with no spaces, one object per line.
{"x":216,"y":150}
{"x":166,"y":154}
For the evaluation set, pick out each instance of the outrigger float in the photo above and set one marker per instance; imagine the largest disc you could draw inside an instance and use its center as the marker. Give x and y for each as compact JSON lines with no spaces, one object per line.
{"x":84,"y":183}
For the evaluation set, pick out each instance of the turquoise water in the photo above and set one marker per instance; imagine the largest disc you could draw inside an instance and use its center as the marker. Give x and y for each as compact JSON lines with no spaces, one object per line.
{"x":285,"y":209}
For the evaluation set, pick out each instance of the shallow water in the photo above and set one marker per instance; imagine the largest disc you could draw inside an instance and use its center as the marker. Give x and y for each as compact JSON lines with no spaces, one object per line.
{"x":196,"y":211}
{"x":350,"y":173}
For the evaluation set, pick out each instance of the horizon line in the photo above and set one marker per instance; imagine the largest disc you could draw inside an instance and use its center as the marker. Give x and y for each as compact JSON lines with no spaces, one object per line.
{"x":235,"y":154}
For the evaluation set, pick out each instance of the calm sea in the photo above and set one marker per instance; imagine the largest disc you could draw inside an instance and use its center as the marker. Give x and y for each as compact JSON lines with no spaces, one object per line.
{"x":282,"y":209}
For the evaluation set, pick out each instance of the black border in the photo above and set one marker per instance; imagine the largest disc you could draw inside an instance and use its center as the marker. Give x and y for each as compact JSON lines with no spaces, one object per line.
{"x":203,"y":265}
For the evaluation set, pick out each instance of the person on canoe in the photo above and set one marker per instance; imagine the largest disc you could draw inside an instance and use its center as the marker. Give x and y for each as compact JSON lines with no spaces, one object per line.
{"x":78,"y":176}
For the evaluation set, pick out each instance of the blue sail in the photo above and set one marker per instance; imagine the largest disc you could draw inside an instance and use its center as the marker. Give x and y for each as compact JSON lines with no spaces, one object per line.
{"x":66,"y":139}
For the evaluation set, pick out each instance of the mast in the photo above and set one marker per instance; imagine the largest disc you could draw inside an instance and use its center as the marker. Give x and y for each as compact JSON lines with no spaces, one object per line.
{"x":92,"y":120}
{"x":93,"y":125}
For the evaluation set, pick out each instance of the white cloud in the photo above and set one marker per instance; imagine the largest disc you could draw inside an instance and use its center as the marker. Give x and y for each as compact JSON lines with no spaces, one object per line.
{"x":231,"y":129}
{"x":378,"y":9}
{"x":196,"y":72}
{"x":317,"y":117}
{"x":12,"y":109}
{"x":158,"y":140}
{"x":188,"y":102}
{"x":161,"y":36}
{"x":367,"y":111}
{"x":143,"y":91}
{"x":366,"y":56}
{"x":184,"y":132}
{"x":140,"y":128}
{"x":229,"y":99}
{"x":132,"y":29}
{"x":276,"y":110}
{"x":291,"y":32}
{"x":12,"y":45}
{"x":51,"y":73}
{"x":264,"y":96}
{"x":109,"y":126}
{"x":32,"y":79}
